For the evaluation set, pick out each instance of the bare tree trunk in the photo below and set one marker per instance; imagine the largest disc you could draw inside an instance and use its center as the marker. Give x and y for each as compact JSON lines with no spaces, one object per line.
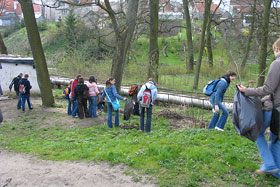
{"x":190,"y":55}
{"x":250,"y":37}
{"x":208,"y":44}
{"x":3,"y":46}
{"x":202,"y":42}
{"x":123,"y":39}
{"x":43,"y":77}
{"x":153,"y":49}
{"x":263,"y":50}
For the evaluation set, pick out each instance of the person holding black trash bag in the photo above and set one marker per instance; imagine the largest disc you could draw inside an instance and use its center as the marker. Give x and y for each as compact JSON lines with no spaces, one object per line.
{"x":270,"y":154}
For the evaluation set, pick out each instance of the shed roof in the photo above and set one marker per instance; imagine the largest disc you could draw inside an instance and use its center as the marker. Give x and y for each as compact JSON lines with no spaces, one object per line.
{"x":16,"y":60}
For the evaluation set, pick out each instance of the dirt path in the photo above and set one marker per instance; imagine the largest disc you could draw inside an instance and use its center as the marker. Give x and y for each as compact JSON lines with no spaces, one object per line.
{"x":25,"y":171}
{"x":22,"y":170}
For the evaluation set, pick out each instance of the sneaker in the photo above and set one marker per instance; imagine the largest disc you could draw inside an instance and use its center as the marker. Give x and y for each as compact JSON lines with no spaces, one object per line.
{"x":219,"y":129}
{"x":266,"y":172}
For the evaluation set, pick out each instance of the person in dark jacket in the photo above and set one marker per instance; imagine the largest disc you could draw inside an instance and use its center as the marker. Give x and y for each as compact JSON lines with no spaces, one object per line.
{"x":26,"y":95}
{"x":15,"y":83}
{"x":79,"y":96}
{"x":136,"y":109}
{"x":216,"y":100}
{"x":270,"y":153}
{"x":110,"y":92}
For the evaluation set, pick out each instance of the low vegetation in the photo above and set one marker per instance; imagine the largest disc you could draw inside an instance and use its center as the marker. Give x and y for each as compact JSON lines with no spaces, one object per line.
{"x":169,"y":157}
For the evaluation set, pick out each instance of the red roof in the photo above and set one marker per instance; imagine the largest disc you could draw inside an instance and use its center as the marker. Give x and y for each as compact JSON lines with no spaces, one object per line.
{"x":200,"y":8}
{"x":9,"y":7}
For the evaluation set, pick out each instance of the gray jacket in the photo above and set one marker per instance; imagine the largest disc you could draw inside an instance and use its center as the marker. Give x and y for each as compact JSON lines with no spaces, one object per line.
{"x":271,"y":85}
{"x":267,"y":103}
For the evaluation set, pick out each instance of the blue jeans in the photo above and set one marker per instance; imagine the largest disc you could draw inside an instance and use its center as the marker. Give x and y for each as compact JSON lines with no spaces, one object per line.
{"x":270,"y":153}
{"x":75,"y":108}
{"x":149,"y":118}
{"x":216,"y":119}
{"x":23,"y":98}
{"x":19,"y":100}
{"x":109,"y":120}
{"x":92,"y":106}
{"x":69,"y":110}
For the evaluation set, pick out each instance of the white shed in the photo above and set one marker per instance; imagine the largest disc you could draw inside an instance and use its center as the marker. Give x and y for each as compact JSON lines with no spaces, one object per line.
{"x":11,"y":66}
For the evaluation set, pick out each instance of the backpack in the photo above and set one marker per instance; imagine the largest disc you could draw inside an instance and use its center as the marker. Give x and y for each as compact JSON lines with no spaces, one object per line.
{"x":132,"y":90}
{"x":209,"y":88}
{"x":146,"y":98}
{"x":66,"y":93}
{"x":86,"y":94}
{"x":22,"y":88}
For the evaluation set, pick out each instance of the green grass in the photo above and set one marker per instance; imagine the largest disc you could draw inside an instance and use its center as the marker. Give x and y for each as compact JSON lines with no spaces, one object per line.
{"x":186,"y":157}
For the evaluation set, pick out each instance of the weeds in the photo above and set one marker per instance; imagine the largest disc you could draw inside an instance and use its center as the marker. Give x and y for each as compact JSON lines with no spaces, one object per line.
{"x":185,"y":157}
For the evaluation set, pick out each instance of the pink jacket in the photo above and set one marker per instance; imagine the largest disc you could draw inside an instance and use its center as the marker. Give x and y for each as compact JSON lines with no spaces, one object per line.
{"x":93,"y":90}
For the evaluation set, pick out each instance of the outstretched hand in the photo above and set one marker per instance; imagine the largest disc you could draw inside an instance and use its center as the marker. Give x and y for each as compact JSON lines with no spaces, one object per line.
{"x":125,"y":99}
{"x":242,"y":88}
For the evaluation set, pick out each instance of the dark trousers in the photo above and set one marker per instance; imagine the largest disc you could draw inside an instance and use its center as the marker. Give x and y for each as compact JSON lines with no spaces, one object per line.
{"x":25,"y":97}
{"x":82,"y":109}
{"x":149,"y":118}
{"x":19,"y":100}
{"x":136,"y":111}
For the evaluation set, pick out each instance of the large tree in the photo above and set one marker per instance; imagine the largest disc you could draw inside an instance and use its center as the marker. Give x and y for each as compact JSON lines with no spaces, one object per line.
{"x":202,"y":41}
{"x":43,"y":77}
{"x":3,"y":47}
{"x":123,"y":36}
{"x":264,"y":38}
{"x":190,"y":54}
{"x":153,"y":49}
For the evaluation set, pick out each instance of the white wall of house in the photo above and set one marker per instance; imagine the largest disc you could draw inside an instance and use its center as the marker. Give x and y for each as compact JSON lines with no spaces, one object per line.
{"x":11,"y":70}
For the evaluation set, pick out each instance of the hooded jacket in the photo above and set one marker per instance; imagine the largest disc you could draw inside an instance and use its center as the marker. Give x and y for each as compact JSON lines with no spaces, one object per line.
{"x":15,"y":82}
{"x":217,"y":96}
{"x":93,"y":90}
{"x":112,"y":93}
{"x":26,"y":84}
{"x":150,"y":85}
{"x":79,"y":91}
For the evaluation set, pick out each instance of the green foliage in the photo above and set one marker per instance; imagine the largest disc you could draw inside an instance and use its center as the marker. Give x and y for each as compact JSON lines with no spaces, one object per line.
{"x":186,"y":157}
{"x":59,"y":23}
{"x":13,"y":28}
{"x":42,"y":26}
{"x":71,"y":28}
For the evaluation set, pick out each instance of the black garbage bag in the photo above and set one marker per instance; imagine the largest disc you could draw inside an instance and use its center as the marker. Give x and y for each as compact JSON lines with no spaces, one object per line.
{"x":1,"y":116}
{"x":128,"y":108}
{"x":247,"y":115}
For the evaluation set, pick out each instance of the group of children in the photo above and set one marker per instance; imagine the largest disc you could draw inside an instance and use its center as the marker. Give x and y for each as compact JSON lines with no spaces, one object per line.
{"x":22,"y":88}
{"x":85,"y":98}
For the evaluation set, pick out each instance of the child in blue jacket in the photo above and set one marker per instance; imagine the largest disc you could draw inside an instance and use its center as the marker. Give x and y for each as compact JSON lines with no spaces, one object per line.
{"x":110,"y":92}
{"x":216,"y":100}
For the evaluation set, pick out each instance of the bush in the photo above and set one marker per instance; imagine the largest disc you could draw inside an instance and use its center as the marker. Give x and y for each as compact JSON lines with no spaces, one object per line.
{"x":13,"y":28}
{"x":42,"y":26}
